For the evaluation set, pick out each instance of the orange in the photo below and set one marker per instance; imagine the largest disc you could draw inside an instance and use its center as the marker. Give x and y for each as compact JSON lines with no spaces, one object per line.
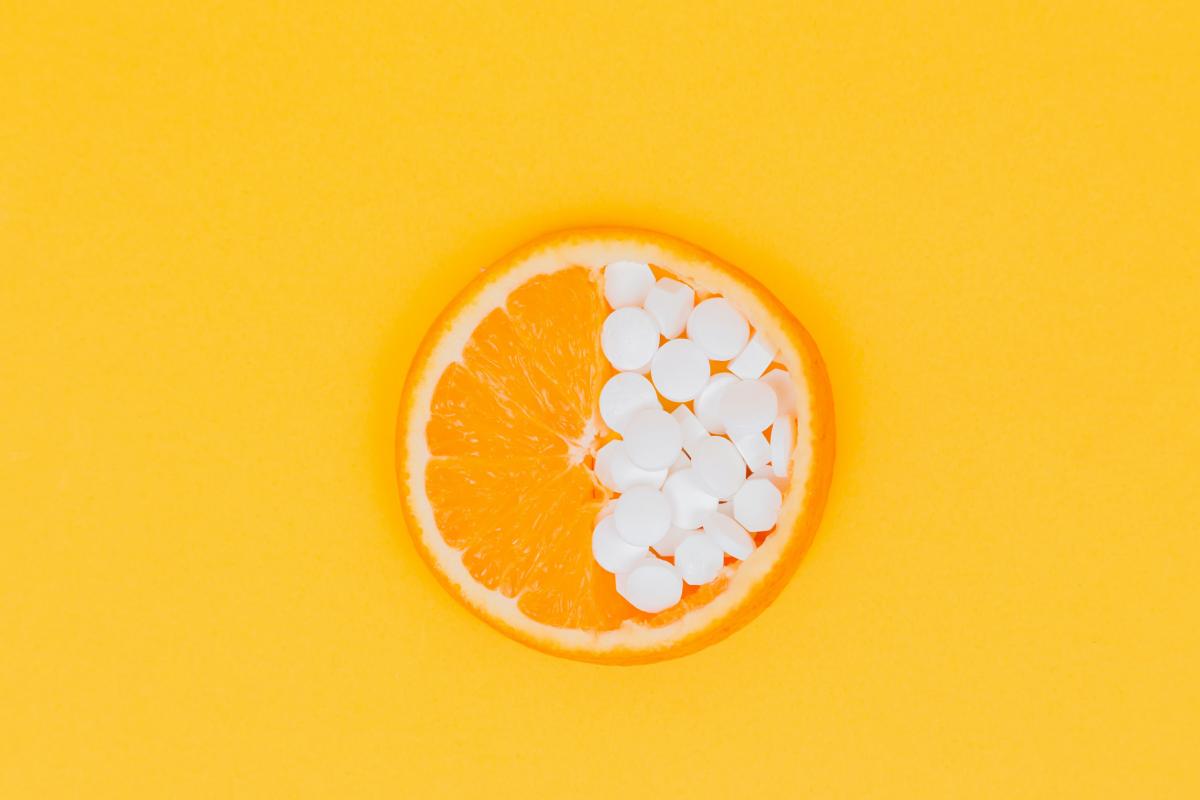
{"x":497,"y":431}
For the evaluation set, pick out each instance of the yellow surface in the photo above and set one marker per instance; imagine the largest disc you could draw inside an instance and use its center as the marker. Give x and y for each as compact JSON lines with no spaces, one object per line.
{"x":224,"y":228}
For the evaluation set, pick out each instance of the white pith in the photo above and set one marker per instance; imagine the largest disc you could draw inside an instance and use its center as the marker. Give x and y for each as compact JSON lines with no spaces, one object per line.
{"x":594,"y":255}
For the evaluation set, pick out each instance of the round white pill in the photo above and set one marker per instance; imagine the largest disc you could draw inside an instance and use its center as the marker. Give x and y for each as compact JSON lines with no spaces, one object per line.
{"x":708,"y":403}
{"x":627,"y":283}
{"x":689,"y":501}
{"x":785,"y":390}
{"x":666,"y":545}
{"x":679,"y":370}
{"x":782,"y":439}
{"x":670,"y":303}
{"x":611,"y":551}
{"x":615,"y":471}
{"x":755,"y":357}
{"x":728,"y":535}
{"x":621,"y":576}
{"x":622,"y":395}
{"x":653,"y":439}
{"x":747,"y":407}
{"x":698,"y":559}
{"x":756,"y":505}
{"x":642,"y":516}
{"x":629,"y":338}
{"x":719,"y":328}
{"x":652,"y":586}
{"x":754,"y":449}
{"x":718,"y":466}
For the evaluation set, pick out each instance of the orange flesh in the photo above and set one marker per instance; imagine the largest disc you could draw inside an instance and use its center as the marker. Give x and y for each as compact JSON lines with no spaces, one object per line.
{"x":508,"y":480}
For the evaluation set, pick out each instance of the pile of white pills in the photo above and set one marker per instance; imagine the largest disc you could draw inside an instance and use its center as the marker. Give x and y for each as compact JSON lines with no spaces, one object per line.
{"x":695,"y":484}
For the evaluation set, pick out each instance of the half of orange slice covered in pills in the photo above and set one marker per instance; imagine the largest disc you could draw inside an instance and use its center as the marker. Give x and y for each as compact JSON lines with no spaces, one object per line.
{"x":615,"y":447}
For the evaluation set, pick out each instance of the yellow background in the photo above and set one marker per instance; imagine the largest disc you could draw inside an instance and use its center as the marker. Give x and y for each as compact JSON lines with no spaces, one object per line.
{"x":223,"y":229}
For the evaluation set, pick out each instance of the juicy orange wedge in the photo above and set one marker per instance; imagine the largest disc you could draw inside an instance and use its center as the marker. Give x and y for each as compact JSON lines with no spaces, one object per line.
{"x":497,"y":433}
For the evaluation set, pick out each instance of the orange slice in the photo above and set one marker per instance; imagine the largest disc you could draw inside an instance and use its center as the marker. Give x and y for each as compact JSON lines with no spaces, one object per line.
{"x":497,"y":433}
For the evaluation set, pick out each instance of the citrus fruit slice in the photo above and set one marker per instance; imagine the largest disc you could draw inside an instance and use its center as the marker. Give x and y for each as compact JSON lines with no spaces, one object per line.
{"x":497,"y":436}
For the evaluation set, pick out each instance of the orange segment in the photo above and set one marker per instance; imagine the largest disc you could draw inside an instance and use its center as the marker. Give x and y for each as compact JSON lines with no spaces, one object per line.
{"x":508,"y":486}
{"x":497,"y":433}
{"x":510,"y":520}
{"x":558,"y":317}
{"x":473,"y":416}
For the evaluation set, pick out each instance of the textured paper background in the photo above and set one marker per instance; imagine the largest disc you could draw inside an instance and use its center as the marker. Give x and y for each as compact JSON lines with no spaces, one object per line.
{"x":224,"y":227}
